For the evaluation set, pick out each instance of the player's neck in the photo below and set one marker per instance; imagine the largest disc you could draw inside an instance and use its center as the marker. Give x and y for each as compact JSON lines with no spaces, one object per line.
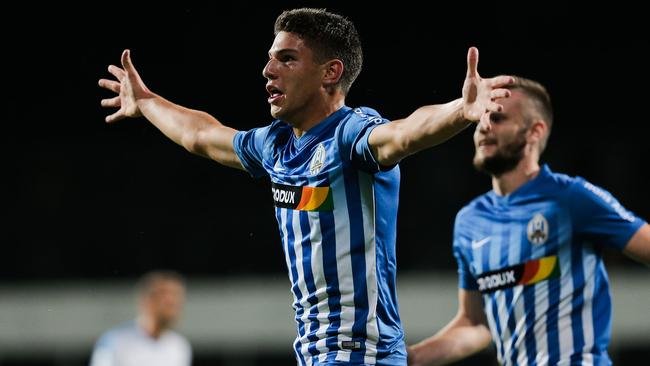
{"x":316,"y":114}
{"x":508,"y":182}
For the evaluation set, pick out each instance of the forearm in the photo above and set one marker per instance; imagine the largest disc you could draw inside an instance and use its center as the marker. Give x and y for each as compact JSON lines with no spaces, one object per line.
{"x":452,"y":343}
{"x":426,"y":127}
{"x":431,"y":125}
{"x":175,"y":121}
{"x":196,"y":131}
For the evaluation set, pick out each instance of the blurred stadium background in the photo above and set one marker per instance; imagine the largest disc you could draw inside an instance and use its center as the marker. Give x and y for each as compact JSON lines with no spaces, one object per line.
{"x":90,"y":207}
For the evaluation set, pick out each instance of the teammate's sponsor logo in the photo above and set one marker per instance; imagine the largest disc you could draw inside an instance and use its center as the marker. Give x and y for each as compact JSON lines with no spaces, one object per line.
{"x":302,"y":198}
{"x":537,"y":229}
{"x":317,"y":160}
{"x":522,"y":274}
{"x":497,"y":280}
{"x":479,"y":243}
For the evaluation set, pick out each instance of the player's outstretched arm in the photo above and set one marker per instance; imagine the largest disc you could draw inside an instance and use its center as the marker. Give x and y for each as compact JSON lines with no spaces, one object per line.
{"x":638,"y":247}
{"x":195,"y":130}
{"x":433,"y":124}
{"x":465,"y":335}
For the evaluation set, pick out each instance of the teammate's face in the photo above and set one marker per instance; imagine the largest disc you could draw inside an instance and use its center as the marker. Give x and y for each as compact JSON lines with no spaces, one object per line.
{"x":165,"y":302}
{"x":501,"y":148}
{"x":294,"y":79}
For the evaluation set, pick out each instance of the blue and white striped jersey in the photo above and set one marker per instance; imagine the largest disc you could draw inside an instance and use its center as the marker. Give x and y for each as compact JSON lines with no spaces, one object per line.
{"x":337,"y":210}
{"x":535,"y":256}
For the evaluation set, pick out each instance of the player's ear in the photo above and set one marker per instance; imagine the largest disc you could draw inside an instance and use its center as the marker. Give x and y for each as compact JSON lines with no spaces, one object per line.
{"x":537,"y":131}
{"x":333,"y":70}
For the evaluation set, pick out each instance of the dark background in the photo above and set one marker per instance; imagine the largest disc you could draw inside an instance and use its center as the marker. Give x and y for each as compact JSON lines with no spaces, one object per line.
{"x":84,"y":199}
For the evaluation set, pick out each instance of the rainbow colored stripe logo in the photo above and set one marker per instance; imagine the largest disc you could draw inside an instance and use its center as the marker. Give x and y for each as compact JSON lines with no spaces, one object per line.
{"x":539,"y":270}
{"x":527,"y":273}
{"x":302,"y":198}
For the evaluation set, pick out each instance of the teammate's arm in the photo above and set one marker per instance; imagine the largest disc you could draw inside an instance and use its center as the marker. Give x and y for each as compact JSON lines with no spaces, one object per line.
{"x":638,"y":247}
{"x":466,"y":334}
{"x":197,"y":131}
{"x":433,"y":124}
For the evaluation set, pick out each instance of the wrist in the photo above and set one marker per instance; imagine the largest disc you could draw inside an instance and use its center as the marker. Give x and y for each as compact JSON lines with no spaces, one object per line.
{"x":459,"y":113}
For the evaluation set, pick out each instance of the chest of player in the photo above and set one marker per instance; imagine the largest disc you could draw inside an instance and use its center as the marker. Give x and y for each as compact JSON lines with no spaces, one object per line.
{"x":503,"y":244}
{"x":303,"y":179}
{"x":147,"y":352}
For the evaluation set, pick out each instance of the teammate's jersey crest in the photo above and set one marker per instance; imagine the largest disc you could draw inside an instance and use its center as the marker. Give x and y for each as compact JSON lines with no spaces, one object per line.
{"x":538,"y":229}
{"x":317,"y":160}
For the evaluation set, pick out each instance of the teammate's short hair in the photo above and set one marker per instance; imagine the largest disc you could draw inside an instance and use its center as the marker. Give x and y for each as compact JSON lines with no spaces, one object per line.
{"x":540,"y":102}
{"x":146,"y":283}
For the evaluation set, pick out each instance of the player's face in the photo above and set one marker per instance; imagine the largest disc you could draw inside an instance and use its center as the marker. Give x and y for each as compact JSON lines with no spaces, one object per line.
{"x":165,"y":302}
{"x":293,"y":79}
{"x":500,"y":148}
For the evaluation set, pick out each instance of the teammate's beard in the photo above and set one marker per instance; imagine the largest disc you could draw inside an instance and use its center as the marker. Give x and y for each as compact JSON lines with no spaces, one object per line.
{"x":506,"y":157}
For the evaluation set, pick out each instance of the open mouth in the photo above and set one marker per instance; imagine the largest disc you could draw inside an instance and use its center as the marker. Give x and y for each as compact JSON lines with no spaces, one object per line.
{"x":487,"y":142}
{"x":275,"y":93}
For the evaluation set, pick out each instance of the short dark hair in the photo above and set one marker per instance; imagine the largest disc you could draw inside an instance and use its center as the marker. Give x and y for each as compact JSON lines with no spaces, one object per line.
{"x":146,"y":283}
{"x":329,"y":35}
{"x":535,"y":91}
{"x":540,"y":99}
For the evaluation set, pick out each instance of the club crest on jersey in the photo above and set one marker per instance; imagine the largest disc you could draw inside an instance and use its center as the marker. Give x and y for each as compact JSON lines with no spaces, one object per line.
{"x":537,"y":229}
{"x":318,"y":160}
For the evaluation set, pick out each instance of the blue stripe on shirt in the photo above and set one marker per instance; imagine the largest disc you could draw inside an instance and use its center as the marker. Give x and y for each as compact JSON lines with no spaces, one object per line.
{"x":357,"y":253}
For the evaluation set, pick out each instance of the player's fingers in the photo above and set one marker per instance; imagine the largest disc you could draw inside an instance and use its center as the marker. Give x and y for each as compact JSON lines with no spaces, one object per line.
{"x":501,"y":81}
{"x":484,"y":123}
{"x":494,"y":107}
{"x":115,"y":117}
{"x":472,"y":62}
{"x":126,"y":61}
{"x":110,"y":85}
{"x":111,"y":102}
{"x":499,"y":93}
{"x":117,"y":72}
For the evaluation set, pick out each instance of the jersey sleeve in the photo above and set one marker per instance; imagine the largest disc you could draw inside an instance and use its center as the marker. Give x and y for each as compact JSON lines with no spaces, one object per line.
{"x":597,"y":215}
{"x":465,"y":278}
{"x":249,"y":147}
{"x":354,"y":140}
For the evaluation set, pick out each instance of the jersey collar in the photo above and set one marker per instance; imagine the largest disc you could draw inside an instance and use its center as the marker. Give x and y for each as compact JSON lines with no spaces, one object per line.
{"x":315,"y":131}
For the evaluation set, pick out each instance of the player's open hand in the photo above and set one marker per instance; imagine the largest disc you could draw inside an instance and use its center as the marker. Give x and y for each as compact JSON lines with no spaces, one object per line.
{"x":129,"y":88}
{"x":480,"y":95}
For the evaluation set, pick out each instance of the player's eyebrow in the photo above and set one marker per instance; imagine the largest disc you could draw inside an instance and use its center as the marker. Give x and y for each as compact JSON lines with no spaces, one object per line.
{"x":282,"y":51}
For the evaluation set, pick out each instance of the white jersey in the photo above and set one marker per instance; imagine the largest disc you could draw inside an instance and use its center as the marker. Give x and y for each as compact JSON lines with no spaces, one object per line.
{"x":129,"y":345}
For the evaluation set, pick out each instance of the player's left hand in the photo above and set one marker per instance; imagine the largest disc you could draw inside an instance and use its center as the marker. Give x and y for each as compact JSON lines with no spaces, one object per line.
{"x":480,"y":95}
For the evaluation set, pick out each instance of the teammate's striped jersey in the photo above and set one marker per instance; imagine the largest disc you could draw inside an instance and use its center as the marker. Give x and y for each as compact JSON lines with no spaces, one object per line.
{"x":337,"y":209}
{"x":535,"y":256}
